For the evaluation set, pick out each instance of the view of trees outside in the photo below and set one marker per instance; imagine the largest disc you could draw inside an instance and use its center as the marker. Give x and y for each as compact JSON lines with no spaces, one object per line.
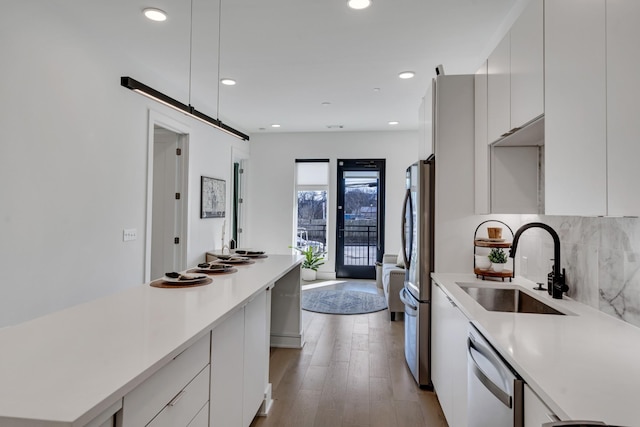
{"x":312,"y":219}
{"x":361,"y":212}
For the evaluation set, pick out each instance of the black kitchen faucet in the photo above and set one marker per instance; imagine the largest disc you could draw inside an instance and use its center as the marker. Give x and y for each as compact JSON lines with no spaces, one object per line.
{"x":557,"y":284}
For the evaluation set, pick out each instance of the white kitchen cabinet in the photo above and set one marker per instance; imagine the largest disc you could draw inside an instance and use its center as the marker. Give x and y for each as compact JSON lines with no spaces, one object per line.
{"x":108,"y":417}
{"x":536,"y":412}
{"x":202,"y":419}
{"x":449,"y":331}
{"x":575,"y":108}
{"x":227,"y":371}
{"x":181,"y":385}
{"x":515,"y":180}
{"x":186,"y":405}
{"x":499,"y":91}
{"x":481,"y":149}
{"x":527,"y":65}
{"x":623,"y":108}
{"x":425,"y":120}
{"x":256,"y":351}
{"x":516,"y":75}
{"x":239,"y":364}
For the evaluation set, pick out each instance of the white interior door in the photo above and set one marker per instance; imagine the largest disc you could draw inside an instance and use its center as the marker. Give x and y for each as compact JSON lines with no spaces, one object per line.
{"x":168,"y":198}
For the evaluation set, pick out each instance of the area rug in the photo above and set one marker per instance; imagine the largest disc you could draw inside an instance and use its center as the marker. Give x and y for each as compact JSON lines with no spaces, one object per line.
{"x":335,"y":301}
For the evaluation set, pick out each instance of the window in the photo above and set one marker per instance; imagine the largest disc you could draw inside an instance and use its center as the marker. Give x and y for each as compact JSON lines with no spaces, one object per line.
{"x":312,"y":184}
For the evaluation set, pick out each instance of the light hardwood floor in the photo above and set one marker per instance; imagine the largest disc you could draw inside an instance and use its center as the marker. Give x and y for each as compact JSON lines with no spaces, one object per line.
{"x":351,"y":372}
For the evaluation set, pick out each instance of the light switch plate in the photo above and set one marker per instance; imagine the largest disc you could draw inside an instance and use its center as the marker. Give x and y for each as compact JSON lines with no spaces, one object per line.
{"x":129,"y":234}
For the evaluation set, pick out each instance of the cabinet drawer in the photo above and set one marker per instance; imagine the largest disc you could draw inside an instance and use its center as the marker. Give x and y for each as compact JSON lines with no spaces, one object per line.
{"x":186,"y":404}
{"x":202,"y":419}
{"x":144,"y":402}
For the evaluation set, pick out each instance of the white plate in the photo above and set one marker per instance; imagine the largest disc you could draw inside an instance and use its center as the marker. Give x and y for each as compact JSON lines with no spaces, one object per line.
{"x":248,"y":253}
{"x":193,"y":278}
{"x":216,"y":268}
{"x":234,"y":260}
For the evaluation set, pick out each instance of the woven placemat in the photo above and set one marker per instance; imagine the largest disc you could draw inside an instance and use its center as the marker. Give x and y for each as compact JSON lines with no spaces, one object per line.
{"x":164,"y":284}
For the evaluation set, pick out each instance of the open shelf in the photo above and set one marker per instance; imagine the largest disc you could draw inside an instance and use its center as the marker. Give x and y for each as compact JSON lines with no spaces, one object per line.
{"x":486,"y":243}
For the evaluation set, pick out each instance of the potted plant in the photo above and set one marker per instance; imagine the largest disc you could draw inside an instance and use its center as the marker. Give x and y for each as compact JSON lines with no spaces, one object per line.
{"x":313,"y":258}
{"x":498,"y":259}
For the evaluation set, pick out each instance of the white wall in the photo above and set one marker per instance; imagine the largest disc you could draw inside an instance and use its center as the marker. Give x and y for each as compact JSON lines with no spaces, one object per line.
{"x":271,"y":181}
{"x":73,"y":160}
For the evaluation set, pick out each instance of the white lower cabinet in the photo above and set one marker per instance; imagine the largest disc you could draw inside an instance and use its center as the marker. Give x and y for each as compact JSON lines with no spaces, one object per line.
{"x":536,"y":412}
{"x":202,"y":419}
{"x":174,"y":394}
{"x":239,"y":364}
{"x":185,"y":405}
{"x":449,"y":331}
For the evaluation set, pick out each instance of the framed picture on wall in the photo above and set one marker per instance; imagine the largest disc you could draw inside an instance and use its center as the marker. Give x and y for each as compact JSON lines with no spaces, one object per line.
{"x":212,"y":197}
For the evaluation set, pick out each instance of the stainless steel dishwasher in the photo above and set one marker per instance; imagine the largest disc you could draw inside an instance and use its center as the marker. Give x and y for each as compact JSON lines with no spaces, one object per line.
{"x":495,"y":392}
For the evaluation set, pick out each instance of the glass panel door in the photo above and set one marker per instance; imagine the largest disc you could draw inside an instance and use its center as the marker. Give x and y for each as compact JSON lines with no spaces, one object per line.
{"x":360,"y":217}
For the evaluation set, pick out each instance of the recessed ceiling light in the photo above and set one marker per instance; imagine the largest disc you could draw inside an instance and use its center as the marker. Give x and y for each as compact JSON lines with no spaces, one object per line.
{"x":325,"y":104}
{"x":228,"y":82}
{"x":359,"y":4}
{"x":393,"y":123}
{"x":155,"y":14}
{"x":275,"y":126}
{"x":407,"y":75}
{"x":376,"y":89}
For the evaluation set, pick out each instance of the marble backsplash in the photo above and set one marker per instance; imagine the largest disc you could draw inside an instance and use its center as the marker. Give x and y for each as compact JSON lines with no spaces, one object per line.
{"x":601,"y":257}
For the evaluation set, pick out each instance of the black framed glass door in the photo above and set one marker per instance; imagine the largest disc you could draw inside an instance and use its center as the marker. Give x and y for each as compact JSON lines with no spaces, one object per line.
{"x":360,"y":217}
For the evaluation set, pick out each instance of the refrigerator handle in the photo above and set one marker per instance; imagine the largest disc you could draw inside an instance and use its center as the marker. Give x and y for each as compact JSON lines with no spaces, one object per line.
{"x":406,"y":202}
{"x":407,"y":300}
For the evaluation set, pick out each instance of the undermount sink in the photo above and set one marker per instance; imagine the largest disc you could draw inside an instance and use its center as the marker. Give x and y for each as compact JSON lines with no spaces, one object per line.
{"x":507,"y":300}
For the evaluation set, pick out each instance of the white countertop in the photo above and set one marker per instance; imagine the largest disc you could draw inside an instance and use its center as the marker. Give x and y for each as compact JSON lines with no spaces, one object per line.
{"x":585,"y":366}
{"x":69,"y":366}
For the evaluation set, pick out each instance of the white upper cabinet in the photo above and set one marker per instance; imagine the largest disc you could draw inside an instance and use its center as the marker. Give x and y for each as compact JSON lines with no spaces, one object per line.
{"x":498,"y":91}
{"x":527,"y":65}
{"x":516,"y":75}
{"x":623,"y":106}
{"x":481,"y":155}
{"x":425,"y":125}
{"x":575,"y":108}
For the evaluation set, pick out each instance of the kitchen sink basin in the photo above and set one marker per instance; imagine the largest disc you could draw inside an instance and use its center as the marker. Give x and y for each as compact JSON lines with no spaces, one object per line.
{"x":508,"y":300}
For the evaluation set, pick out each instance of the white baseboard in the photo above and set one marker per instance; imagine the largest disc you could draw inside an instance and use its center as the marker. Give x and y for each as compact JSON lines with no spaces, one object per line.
{"x":287,"y":341}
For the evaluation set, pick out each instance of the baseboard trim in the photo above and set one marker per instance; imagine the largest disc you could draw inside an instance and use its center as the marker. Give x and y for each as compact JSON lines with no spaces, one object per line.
{"x":287,"y":341}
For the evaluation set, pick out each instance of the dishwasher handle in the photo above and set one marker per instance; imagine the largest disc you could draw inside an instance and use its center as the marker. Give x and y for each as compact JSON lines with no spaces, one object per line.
{"x":499,"y":393}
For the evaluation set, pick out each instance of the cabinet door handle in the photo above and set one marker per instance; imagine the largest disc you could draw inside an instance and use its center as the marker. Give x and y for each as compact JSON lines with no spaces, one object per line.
{"x":453,"y":304}
{"x":175,"y":400}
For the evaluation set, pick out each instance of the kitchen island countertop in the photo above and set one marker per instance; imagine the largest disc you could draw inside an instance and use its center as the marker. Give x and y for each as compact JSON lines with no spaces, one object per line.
{"x":65,"y":368}
{"x":584,"y":365}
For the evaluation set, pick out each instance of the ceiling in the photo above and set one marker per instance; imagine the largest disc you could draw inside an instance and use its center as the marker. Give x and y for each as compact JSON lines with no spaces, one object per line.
{"x":291,"y":56}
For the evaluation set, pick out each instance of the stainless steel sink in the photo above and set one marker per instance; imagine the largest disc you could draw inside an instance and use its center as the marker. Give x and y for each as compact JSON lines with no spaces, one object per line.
{"x":508,"y":300}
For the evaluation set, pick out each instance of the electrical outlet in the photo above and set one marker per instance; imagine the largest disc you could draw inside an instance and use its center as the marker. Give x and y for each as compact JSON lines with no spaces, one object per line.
{"x":129,"y":234}
{"x":524,"y":265}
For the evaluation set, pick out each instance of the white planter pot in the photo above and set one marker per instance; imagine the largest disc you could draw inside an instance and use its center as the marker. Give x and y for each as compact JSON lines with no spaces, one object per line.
{"x":497,"y":267}
{"x":307,"y":274}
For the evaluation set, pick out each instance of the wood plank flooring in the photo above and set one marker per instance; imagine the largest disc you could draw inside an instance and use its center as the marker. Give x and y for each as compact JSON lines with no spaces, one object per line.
{"x":351,"y":372}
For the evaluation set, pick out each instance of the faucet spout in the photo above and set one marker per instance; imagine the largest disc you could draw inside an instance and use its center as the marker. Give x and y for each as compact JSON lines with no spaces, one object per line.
{"x":558,"y":286}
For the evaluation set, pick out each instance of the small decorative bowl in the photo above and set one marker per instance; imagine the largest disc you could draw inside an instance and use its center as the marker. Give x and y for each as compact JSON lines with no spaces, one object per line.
{"x":482,"y":262}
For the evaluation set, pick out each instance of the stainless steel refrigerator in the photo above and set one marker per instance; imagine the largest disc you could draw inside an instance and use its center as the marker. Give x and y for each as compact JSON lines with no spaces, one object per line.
{"x":418,"y":250}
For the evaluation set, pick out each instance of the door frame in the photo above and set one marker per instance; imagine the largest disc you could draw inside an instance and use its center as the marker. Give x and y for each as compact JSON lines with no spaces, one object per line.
{"x":182,"y":213}
{"x":359,"y":272}
{"x":241,"y":157}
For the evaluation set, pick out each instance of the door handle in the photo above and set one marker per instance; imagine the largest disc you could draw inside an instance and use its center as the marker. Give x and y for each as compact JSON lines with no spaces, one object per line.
{"x":405,"y":300}
{"x":407,"y":198}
